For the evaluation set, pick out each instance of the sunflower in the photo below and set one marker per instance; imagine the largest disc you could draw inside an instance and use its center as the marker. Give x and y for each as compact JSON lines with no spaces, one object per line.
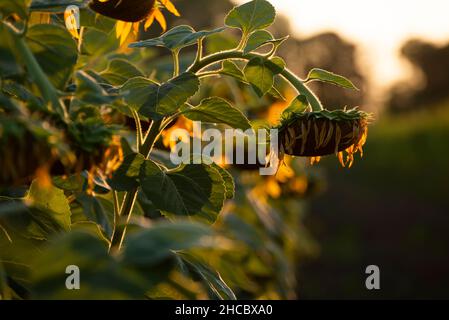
{"x":130,"y":13}
{"x":321,"y":133}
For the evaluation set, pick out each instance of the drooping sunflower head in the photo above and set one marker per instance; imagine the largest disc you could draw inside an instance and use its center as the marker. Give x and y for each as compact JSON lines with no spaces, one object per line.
{"x":320,"y":133}
{"x":130,"y":13}
{"x":124,"y":10}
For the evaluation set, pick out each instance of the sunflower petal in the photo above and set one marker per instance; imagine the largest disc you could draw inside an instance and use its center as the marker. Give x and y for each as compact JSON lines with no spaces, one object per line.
{"x":160,"y":19}
{"x":170,"y":7}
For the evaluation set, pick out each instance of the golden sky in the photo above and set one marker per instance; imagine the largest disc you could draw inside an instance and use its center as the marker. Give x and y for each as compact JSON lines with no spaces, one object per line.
{"x":379,"y":26}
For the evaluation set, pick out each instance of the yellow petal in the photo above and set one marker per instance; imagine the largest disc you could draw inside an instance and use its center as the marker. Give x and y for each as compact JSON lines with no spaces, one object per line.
{"x":170,"y":7}
{"x":161,"y":19}
{"x":136,"y":28}
{"x":125,"y":32}
{"x":119,"y":28}
{"x":340,"y":158}
{"x":149,"y":20}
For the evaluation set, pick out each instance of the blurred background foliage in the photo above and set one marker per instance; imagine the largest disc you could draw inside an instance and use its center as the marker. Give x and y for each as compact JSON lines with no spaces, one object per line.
{"x":391,"y":208}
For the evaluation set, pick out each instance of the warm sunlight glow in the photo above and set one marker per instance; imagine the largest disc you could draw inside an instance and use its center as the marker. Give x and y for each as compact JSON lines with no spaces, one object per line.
{"x":379,"y":26}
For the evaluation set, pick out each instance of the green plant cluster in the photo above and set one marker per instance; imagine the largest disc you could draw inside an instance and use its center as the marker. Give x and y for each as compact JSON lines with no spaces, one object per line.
{"x":146,"y":229}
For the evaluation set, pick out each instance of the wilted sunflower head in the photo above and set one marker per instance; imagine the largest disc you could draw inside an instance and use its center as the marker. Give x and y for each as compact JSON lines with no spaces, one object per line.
{"x":320,"y":133}
{"x":130,"y":13}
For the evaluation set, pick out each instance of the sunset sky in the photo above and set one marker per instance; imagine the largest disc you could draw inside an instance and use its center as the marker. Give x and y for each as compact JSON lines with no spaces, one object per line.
{"x":380,"y":27}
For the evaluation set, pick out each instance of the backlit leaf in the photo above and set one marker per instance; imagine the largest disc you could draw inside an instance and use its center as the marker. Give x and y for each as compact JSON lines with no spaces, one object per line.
{"x":251,"y":16}
{"x":194,"y":190}
{"x":260,"y":72}
{"x":166,"y":98}
{"x":218,"y":110}
{"x":176,"y":38}
{"x":329,"y":77}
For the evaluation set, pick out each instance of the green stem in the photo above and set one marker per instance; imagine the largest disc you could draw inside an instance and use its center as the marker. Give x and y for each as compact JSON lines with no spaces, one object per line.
{"x":294,"y":80}
{"x":139,"y":137}
{"x":129,"y":200}
{"x":199,"y":52}
{"x":46,"y":88}
{"x":175,"y":63}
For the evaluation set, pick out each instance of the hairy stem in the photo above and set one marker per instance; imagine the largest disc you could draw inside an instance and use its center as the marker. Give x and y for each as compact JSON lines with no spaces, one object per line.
{"x":129,"y":200}
{"x":294,"y":80}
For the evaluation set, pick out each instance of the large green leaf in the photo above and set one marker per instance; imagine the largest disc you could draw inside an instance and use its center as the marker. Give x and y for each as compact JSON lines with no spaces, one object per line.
{"x":42,"y":213}
{"x":125,"y":178}
{"x":97,"y":42}
{"x":154,"y":245}
{"x":195,"y":190}
{"x":89,"y":90}
{"x":136,"y":91}
{"x":55,"y":50}
{"x":101,"y":276}
{"x":209,"y":276}
{"x":119,"y":71}
{"x":176,"y":38}
{"x":169,"y":96}
{"x":260,"y":72}
{"x":52,"y":200}
{"x":98,"y":210}
{"x":251,"y":16}
{"x":329,"y":77}
{"x":218,"y":110}
{"x":16,"y":253}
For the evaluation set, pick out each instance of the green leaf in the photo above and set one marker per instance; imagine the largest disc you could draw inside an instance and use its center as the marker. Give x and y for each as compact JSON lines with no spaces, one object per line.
{"x":98,"y":43}
{"x":55,"y":50}
{"x":136,"y":91}
{"x":43,"y":213}
{"x":8,"y":64}
{"x":125,"y":178}
{"x":102,"y":277}
{"x":195,"y":190}
{"x":21,"y":93}
{"x":72,"y":183}
{"x":151,"y":246}
{"x":176,"y":38}
{"x":228,"y":181}
{"x":257,"y":39}
{"x":52,"y":200}
{"x":274,"y":92}
{"x":209,"y":276}
{"x":119,"y":71}
{"x":251,"y":16}
{"x":218,"y":110}
{"x":260,"y":72}
{"x":329,"y":77}
{"x":168,"y":97}
{"x":19,"y":7}
{"x":299,"y":104}
{"x":98,"y":210}
{"x":229,"y":68}
{"x":89,"y":91}
{"x":92,"y":228}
